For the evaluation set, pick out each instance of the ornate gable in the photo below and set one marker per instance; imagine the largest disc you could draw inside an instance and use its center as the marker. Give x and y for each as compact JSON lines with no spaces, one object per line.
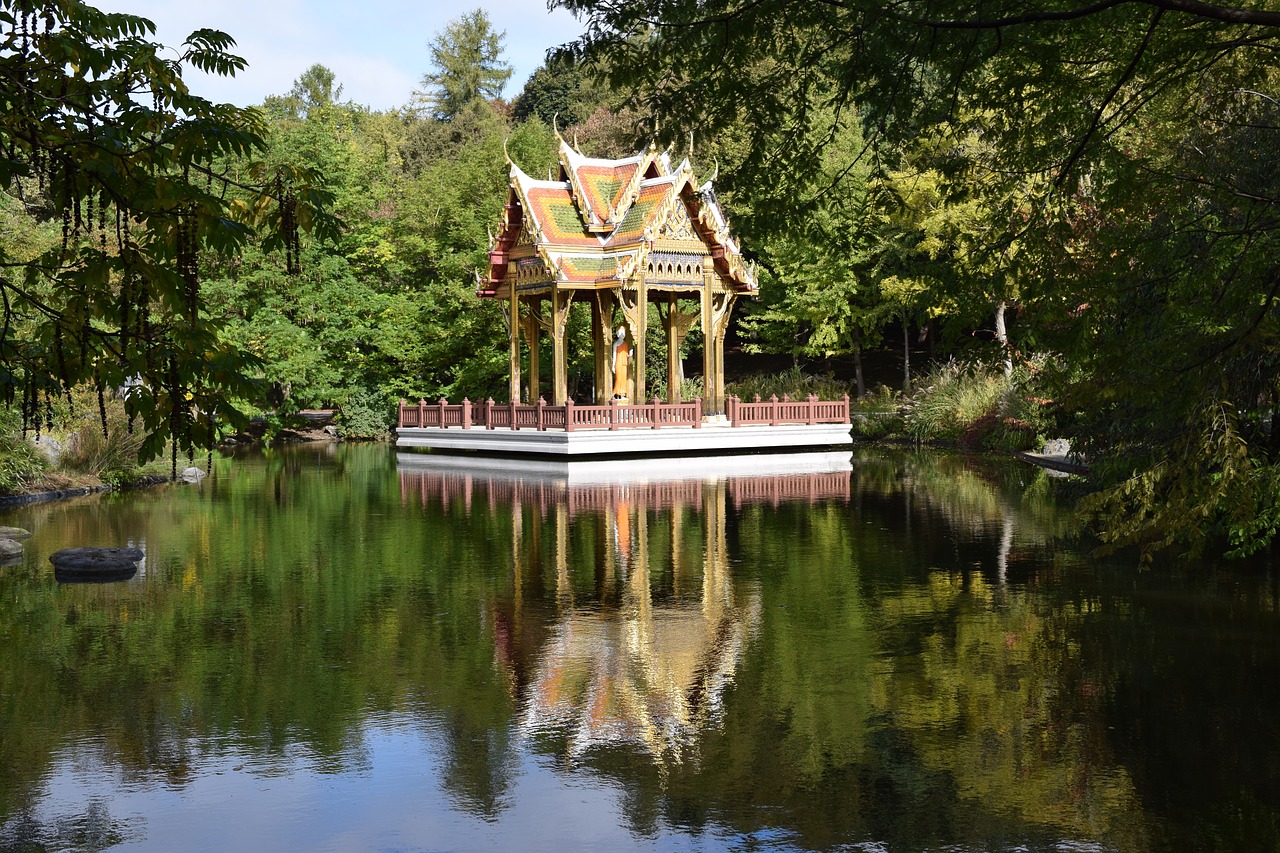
{"x":607,"y":222}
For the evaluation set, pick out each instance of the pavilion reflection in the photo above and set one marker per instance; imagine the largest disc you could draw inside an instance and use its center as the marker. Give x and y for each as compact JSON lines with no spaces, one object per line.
{"x":624,"y":623}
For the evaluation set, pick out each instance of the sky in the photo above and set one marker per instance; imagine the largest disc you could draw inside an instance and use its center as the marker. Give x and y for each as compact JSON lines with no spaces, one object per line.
{"x":376,"y":48}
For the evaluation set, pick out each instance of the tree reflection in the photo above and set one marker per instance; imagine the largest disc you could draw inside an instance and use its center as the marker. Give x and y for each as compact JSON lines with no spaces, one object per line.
{"x":899,"y":653}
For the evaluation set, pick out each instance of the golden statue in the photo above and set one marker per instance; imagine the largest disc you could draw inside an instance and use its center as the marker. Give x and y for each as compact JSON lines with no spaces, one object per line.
{"x":621,"y":357}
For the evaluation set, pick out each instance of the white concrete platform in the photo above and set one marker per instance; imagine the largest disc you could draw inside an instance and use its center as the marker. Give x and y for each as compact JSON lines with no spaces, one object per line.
{"x":668,"y":441}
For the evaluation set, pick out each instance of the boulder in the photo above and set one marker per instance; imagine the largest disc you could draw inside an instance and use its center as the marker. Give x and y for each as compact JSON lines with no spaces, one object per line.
{"x":14,"y":533}
{"x":49,"y":448}
{"x":191,"y":475}
{"x":9,"y":548}
{"x":95,"y":564}
{"x":1056,"y":447}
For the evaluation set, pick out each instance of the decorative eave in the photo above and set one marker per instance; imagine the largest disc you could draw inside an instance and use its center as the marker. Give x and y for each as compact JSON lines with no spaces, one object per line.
{"x":724,"y":248}
{"x":587,"y":247}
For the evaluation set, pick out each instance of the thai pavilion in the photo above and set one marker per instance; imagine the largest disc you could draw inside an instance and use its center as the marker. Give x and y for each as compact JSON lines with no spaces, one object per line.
{"x":619,"y":235}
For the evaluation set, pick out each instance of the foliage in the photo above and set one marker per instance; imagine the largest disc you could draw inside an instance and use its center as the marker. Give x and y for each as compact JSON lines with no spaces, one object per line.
{"x":793,"y":382}
{"x":21,"y":465}
{"x":366,"y":414}
{"x":111,"y":455}
{"x":950,"y":399}
{"x":559,"y":91}
{"x":104,"y":142}
{"x":1105,"y":168}
{"x":467,"y":58}
{"x":878,"y":414}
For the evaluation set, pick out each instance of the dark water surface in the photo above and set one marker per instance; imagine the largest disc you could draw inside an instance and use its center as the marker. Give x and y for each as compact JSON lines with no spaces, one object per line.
{"x":329,"y":649}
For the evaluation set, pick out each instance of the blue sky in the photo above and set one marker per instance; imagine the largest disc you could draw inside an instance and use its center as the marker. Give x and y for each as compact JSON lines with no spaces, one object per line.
{"x":377,"y":48}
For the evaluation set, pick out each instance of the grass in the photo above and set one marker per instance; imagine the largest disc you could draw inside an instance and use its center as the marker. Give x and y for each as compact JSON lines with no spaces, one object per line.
{"x":791,"y":382}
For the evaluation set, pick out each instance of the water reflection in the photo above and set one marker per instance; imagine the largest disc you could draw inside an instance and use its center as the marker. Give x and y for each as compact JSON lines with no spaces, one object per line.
{"x":644,"y":655}
{"x":346,"y":650}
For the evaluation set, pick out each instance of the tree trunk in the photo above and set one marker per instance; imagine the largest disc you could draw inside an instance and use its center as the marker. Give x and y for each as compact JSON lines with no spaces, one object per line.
{"x":906,"y":355}
{"x":857,"y":365}
{"x":1002,"y":335}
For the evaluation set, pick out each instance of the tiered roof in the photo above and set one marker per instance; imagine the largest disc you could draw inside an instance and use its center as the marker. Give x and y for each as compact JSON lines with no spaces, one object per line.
{"x":597,"y":225}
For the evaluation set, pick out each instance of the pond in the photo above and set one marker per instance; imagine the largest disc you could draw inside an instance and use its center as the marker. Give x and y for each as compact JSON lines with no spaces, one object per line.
{"x":336,"y":648}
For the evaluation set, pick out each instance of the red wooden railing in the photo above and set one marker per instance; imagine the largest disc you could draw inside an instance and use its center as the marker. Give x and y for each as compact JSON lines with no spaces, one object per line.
{"x":615,"y":415}
{"x":773,"y":411}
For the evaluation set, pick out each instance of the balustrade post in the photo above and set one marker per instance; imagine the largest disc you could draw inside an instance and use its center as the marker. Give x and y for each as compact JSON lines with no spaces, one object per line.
{"x":613,"y":413}
{"x":773,"y":410}
{"x":514,"y":424}
{"x":466,"y":413}
{"x":848,"y":417}
{"x":732,"y":410}
{"x":422,"y":412}
{"x":568,"y":414}
{"x":400,"y":421}
{"x":697,"y":413}
{"x":813,"y":409}
{"x":657,"y":412}
{"x":441,"y":405}
{"x":542,"y":404}
{"x":488,"y":413}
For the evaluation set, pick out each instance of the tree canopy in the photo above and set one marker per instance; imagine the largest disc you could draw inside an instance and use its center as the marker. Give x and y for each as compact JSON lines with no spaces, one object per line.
{"x":130,"y":180}
{"x":1118,"y":151}
{"x":468,"y":65}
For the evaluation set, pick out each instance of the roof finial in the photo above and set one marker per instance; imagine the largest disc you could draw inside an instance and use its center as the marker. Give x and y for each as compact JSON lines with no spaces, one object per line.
{"x":555,"y":126}
{"x":716,"y":171}
{"x":505,"y":153}
{"x":691,"y":146}
{"x":576,"y":147}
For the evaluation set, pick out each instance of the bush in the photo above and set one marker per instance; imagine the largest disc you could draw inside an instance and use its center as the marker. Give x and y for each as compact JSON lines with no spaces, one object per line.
{"x":112,"y":458}
{"x":21,"y":465}
{"x":366,"y":414}
{"x":951,"y":398}
{"x":878,"y":414}
{"x":689,"y":389}
{"x":792,"y":382}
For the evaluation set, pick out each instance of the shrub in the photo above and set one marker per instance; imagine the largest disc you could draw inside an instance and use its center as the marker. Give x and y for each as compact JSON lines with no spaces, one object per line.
{"x":366,"y":414}
{"x":792,"y":382}
{"x":951,"y":398}
{"x":112,"y":458}
{"x":689,"y":388}
{"x":878,"y":414}
{"x":21,"y":465}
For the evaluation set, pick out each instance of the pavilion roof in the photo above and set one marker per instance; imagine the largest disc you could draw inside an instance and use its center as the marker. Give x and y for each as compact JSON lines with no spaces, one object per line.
{"x":598,"y":222}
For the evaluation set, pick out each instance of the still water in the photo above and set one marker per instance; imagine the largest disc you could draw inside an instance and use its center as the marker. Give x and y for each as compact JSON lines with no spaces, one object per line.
{"x":337,"y":649}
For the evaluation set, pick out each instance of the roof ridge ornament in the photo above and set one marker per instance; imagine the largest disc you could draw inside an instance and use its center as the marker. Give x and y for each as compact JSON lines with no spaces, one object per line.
{"x":506,"y":154}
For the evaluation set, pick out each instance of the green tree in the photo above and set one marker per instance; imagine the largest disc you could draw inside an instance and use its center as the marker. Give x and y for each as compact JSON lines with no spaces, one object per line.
{"x":1143,"y":247}
{"x":103,"y":138}
{"x":467,"y":58}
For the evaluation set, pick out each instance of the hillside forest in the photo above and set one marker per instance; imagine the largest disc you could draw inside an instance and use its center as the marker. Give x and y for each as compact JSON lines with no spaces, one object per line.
{"x":992,"y":227}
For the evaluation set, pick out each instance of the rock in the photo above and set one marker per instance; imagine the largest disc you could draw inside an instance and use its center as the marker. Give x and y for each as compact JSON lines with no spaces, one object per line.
{"x":95,"y":564}
{"x":10,"y":548}
{"x":331,"y":430}
{"x":191,"y":475}
{"x":14,"y":533}
{"x":49,"y":448}
{"x":1056,"y":447}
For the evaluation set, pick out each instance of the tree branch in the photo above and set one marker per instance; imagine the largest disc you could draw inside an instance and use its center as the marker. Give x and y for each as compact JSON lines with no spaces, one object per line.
{"x":1207,"y":11}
